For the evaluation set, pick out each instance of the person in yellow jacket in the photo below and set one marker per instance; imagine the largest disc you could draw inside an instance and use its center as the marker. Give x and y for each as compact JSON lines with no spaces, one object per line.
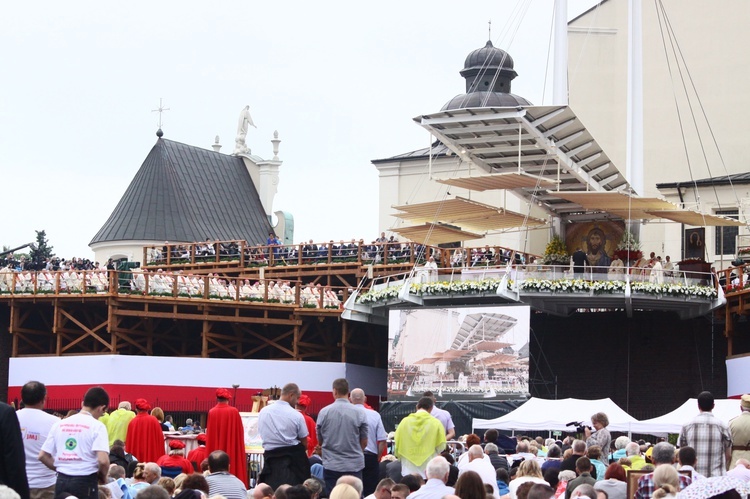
{"x":117,"y":422}
{"x":419,"y":437}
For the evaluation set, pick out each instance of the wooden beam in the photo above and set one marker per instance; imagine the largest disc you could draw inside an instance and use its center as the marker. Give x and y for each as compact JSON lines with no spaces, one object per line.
{"x":214,"y":318}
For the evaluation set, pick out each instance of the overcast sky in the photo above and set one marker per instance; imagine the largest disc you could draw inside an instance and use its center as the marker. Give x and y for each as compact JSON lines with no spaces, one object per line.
{"x":340,"y":81}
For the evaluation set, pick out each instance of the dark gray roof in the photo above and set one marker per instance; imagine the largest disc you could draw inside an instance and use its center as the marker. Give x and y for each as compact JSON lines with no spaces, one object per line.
{"x":184,"y":193}
{"x":485,"y":99}
{"x":438,"y":150}
{"x":737,"y":178}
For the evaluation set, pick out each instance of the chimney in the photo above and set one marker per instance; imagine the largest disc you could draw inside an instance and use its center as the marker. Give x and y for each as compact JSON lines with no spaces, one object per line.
{"x":216,"y":146}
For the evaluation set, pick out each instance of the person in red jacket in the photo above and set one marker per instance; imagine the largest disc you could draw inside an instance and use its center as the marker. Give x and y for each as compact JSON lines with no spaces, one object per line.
{"x":224,"y":431}
{"x":197,"y":455}
{"x":312,"y":440}
{"x":176,"y":458}
{"x":145,"y":439}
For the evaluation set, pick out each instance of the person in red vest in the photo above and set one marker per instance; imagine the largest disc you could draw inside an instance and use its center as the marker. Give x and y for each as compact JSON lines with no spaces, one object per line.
{"x":197,"y":455}
{"x":145,"y":439}
{"x":224,"y":431}
{"x":312,"y":440}
{"x":176,"y":458}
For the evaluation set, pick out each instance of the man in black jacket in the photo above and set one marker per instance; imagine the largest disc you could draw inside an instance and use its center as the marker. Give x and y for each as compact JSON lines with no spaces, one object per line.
{"x":12,"y":459}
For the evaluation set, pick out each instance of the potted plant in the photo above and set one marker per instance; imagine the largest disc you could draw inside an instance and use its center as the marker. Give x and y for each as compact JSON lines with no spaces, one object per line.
{"x":629,"y":248}
{"x":555,"y":253}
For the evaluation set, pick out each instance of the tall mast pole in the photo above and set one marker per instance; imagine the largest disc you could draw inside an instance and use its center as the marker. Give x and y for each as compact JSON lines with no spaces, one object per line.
{"x":560,"y":80}
{"x":635,"y":97}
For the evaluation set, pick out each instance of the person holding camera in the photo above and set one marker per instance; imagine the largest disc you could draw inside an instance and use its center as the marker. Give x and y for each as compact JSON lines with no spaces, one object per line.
{"x":600,"y":435}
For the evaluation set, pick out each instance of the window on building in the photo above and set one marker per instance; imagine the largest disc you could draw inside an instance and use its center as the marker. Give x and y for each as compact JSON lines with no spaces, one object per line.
{"x":726,"y":237}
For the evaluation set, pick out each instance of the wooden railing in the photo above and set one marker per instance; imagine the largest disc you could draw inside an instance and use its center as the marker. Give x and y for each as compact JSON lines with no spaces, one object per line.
{"x":170,"y":285}
{"x":354,"y":252}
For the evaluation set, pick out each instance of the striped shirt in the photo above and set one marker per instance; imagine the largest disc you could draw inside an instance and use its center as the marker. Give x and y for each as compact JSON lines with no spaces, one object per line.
{"x":225,"y":484}
{"x":710,"y":438}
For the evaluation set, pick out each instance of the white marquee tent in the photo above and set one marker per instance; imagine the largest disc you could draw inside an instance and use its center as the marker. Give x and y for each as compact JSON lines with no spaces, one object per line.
{"x":551,"y":415}
{"x":725,"y":409}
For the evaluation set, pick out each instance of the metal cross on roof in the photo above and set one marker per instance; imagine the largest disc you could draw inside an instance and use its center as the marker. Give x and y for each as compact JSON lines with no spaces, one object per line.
{"x":161,"y":109}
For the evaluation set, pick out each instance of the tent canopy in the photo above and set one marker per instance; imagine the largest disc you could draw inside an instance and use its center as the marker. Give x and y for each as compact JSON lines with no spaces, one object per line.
{"x":725,"y":409}
{"x":550,"y":415}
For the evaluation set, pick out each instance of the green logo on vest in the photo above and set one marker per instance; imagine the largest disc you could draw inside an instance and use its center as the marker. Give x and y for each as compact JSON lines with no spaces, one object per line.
{"x":71,"y":444}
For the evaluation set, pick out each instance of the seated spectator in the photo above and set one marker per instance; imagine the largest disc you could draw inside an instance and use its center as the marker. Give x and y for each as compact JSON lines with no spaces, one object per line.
{"x":220,"y":481}
{"x":175,"y":463}
{"x":496,"y":459}
{"x":614,"y":483}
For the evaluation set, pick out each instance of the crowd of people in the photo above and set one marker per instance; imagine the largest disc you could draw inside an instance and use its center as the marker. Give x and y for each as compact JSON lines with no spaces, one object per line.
{"x":346,"y":454}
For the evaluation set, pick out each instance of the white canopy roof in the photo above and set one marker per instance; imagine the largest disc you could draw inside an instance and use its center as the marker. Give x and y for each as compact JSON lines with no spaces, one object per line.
{"x":542,"y":415}
{"x":725,"y":409}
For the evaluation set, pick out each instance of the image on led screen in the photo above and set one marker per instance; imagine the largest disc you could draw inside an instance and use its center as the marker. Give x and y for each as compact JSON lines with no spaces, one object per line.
{"x":459,"y":353}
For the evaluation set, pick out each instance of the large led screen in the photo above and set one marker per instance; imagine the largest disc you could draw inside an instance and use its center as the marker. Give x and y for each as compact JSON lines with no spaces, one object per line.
{"x":471,"y":353}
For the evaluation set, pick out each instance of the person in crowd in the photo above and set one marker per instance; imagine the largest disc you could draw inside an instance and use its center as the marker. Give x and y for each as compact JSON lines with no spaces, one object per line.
{"x":614,"y":483}
{"x":382,"y":489}
{"x":145,"y":439}
{"x":503,"y":479}
{"x":168,"y":484}
{"x":303,"y":402}
{"x":496,"y":459}
{"x":579,"y":450}
{"x":342,"y":434}
{"x":541,"y":491}
{"x":741,"y":471}
{"x":413,"y":481}
{"x":224,"y":431}
{"x":523,"y":452}
{"x":12,"y":457}
{"x":666,"y":481}
{"x":83,"y":466}
{"x":344,"y":491}
{"x":470,"y":486}
{"x":583,"y":469}
{"x":443,"y":416}
{"x":600,"y":435}
{"x":351,"y":480}
{"x":376,"y":437}
{"x":175,"y":458}
{"x":297,"y":492}
{"x":117,"y":485}
{"x":619,"y":452}
{"x":584,"y":491}
{"x":739,"y":428}
{"x":194,"y":486}
{"x":419,"y":437}
{"x":480,"y":466}
{"x":528,"y":471}
{"x":710,"y":438}
{"x":686,"y":458}
{"x":594,"y":453}
{"x":316,"y":486}
{"x":154,"y":492}
{"x":35,"y":425}
{"x":158,"y":413}
{"x":140,"y":480}
{"x":197,"y":455}
{"x":118,"y":421}
{"x":400,"y":491}
{"x":662,"y":454}
{"x":220,"y":481}
{"x":263,"y":491}
{"x":554,"y":458}
{"x":633,"y":454}
{"x":284,"y":435}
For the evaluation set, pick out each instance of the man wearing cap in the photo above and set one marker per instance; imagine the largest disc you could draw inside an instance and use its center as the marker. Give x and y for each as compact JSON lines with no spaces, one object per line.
{"x":284,"y":435}
{"x":197,"y":455}
{"x":710,"y":438}
{"x":224,"y":431}
{"x":739,"y":427}
{"x":144,"y":439}
{"x":77,"y":448}
{"x":312,"y":439}
{"x":176,"y":458}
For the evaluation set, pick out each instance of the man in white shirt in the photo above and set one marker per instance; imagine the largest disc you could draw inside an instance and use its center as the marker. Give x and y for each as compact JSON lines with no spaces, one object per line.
{"x":78,"y":448}
{"x":35,"y":426}
{"x":376,"y":438}
{"x":482,"y":467}
{"x":438,"y":470}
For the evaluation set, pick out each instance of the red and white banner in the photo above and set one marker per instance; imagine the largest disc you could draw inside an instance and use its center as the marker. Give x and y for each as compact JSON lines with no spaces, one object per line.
{"x":177,"y":382}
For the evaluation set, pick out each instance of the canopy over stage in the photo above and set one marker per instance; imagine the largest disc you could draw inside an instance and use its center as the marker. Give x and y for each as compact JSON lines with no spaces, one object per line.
{"x":554,"y":415}
{"x":545,"y":155}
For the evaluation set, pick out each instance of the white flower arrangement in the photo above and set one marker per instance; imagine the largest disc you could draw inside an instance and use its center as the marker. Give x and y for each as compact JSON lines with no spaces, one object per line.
{"x":432,"y":288}
{"x":540,"y":286}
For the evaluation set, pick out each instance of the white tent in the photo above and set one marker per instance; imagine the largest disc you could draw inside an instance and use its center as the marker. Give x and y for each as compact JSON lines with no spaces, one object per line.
{"x":725,"y":409}
{"x":550,"y":415}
